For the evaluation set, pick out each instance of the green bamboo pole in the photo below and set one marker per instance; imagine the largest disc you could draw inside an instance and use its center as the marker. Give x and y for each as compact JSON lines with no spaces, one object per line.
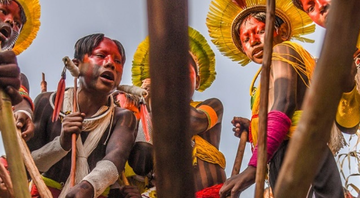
{"x":12,"y":148}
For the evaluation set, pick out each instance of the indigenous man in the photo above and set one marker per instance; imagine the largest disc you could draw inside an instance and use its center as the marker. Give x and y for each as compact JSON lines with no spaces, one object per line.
{"x":291,"y":68}
{"x":205,"y":116}
{"x":19,"y":24}
{"x":105,"y":133}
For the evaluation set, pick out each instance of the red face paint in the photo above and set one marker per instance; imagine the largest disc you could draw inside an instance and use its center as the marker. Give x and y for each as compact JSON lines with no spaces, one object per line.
{"x":317,"y":10}
{"x":103,"y":68}
{"x":252,"y":35}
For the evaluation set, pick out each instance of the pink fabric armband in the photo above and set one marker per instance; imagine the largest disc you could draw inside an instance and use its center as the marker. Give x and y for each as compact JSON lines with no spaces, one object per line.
{"x":277,"y":128}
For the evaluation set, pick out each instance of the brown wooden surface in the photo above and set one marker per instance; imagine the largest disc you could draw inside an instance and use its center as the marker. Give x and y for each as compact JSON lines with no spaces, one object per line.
{"x":32,"y":169}
{"x":12,"y":148}
{"x":169,"y":71}
{"x":239,"y":154}
{"x":264,"y":96}
{"x":306,"y":147}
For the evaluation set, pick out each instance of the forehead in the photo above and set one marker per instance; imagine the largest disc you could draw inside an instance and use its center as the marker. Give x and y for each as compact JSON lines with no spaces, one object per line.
{"x":12,"y":7}
{"x":108,"y":45}
{"x":250,"y":22}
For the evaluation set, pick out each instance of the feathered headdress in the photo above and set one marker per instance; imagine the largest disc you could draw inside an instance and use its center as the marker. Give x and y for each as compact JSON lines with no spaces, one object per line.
{"x":31,"y":27}
{"x":224,"y":15}
{"x":203,"y":55}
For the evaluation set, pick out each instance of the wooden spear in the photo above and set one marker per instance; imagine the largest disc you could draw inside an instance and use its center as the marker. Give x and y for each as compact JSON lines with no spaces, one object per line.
{"x":307,"y":145}
{"x":169,"y":71}
{"x":12,"y":148}
{"x":264,"y":96}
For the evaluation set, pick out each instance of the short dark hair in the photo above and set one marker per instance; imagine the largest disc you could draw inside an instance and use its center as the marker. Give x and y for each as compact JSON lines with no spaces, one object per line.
{"x":87,"y":44}
{"x":260,"y":16}
{"x":298,"y":4}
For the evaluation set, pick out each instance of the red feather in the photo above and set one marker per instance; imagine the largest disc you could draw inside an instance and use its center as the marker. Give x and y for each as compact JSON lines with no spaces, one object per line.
{"x":240,"y":3}
{"x":146,"y":121}
{"x":59,"y":97}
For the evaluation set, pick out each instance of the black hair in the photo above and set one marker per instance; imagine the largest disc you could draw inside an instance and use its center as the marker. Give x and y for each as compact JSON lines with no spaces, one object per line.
{"x":87,"y":44}
{"x":298,"y":4}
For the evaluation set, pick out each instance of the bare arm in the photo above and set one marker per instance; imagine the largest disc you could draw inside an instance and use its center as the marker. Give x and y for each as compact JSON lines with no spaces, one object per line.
{"x":200,"y":117}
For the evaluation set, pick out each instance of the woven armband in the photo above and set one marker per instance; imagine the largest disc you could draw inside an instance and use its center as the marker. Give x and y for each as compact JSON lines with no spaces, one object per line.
{"x":210,"y":114}
{"x":277,"y":128}
{"x":48,"y":155}
{"x":102,"y":176}
{"x":25,"y":94}
{"x":348,"y":114}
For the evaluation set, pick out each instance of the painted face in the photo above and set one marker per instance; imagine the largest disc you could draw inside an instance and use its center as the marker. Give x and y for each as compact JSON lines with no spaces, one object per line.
{"x":102,"y":69}
{"x":10,"y":24}
{"x":252,"y":35}
{"x":317,"y":10}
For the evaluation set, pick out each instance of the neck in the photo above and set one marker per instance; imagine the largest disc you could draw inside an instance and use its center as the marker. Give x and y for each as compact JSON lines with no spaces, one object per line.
{"x":89,"y":103}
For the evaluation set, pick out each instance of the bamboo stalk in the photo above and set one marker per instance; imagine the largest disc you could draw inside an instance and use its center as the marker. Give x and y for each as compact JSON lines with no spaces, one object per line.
{"x":169,"y":44}
{"x":12,"y":148}
{"x":264,"y":96}
{"x":239,"y":154}
{"x":32,"y":169}
{"x":307,"y":145}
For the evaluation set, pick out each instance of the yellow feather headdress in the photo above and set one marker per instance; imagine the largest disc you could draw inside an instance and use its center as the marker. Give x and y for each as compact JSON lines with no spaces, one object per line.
{"x":224,"y":15}
{"x":31,"y":27}
{"x":203,"y":56}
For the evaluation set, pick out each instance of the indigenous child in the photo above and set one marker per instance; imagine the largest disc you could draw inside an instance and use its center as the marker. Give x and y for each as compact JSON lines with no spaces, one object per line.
{"x":242,"y":39}
{"x":205,"y":116}
{"x":105,"y":133}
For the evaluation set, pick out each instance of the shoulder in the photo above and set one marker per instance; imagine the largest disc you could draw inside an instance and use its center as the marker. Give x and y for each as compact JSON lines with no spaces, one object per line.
{"x":124,"y":116}
{"x":213,"y":102}
{"x":43,"y":98}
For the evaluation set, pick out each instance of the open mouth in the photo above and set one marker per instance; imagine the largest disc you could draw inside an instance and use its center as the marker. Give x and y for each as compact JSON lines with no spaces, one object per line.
{"x":5,"y":31}
{"x":108,"y":76}
{"x":258,"y":52}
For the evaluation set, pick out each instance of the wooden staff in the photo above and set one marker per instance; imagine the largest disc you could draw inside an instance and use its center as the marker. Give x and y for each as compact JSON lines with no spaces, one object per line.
{"x":32,"y":169}
{"x":239,"y":154}
{"x":43,"y":83}
{"x":169,"y":44}
{"x":75,"y":73}
{"x":306,"y":147}
{"x":264,"y":96}
{"x":12,"y":148}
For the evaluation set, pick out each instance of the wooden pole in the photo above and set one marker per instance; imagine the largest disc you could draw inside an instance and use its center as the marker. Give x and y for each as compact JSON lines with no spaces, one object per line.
{"x":307,"y":145}
{"x":264,"y":96}
{"x":169,"y":71}
{"x":12,"y":148}
{"x":32,"y":169}
{"x":43,"y":83}
{"x":239,"y":154}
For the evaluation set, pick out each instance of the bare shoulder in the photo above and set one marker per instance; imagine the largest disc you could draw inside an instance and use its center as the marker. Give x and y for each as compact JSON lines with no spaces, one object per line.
{"x":124,"y":117}
{"x":287,"y":51}
{"x":213,"y":102}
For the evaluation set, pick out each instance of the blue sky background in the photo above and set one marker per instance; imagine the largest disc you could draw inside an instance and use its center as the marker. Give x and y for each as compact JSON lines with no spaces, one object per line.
{"x":65,"y":21}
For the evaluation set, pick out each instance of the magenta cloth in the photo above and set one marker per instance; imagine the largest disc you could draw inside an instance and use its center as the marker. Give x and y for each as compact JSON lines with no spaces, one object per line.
{"x":277,"y":128}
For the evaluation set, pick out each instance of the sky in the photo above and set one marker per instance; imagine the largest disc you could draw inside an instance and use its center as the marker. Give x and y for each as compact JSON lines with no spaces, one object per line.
{"x":64,"y":22}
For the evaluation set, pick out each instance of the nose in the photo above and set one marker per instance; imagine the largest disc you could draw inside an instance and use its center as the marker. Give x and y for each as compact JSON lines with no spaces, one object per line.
{"x":254,"y":40}
{"x":109,"y":62}
{"x":323,"y":7}
{"x":9,"y":20}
